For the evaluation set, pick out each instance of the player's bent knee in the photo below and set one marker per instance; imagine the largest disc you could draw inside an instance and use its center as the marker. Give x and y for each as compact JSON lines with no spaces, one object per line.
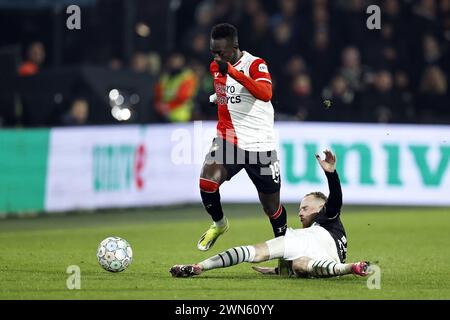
{"x":209,"y":186}
{"x":300,"y":265}
{"x":261,"y":253}
{"x":275,"y":247}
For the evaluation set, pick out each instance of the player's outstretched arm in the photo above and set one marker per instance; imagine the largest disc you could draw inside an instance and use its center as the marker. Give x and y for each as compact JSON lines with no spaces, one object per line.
{"x":328,"y":165}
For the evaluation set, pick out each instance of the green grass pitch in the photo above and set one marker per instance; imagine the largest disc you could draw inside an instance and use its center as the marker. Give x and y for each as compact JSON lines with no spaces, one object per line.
{"x":410,"y":245}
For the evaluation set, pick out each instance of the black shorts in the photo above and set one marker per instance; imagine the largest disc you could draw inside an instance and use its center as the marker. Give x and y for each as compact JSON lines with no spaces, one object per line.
{"x":263,"y":168}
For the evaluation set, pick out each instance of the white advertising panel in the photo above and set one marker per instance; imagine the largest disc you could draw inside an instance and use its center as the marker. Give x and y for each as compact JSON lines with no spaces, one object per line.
{"x":127,"y":166}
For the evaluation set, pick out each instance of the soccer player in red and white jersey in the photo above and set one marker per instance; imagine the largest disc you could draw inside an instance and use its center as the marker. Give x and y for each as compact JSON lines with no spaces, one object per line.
{"x":245,"y":134}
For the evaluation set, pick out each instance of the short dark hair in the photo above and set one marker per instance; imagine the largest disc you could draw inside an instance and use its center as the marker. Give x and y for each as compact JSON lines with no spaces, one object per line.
{"x":318,"y":195}
{"x":225,"y":31}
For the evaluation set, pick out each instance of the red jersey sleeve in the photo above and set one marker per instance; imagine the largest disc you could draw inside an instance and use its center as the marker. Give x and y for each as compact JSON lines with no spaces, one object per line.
{"x":260,"y":88}
{"x":259,"y":72}
{"x":213,"y":67}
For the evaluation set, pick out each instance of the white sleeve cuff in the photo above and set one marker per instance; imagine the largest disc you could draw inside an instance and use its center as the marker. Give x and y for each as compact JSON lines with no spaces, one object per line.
{"x":213,"y":98}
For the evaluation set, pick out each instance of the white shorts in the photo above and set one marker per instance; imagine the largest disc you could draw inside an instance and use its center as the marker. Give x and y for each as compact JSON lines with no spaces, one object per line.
{"x":314,"y":242}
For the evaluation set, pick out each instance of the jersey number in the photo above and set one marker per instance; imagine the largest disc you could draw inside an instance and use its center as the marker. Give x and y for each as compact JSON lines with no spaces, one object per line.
{"x":275,"y":168}
{"x":342,"y":246}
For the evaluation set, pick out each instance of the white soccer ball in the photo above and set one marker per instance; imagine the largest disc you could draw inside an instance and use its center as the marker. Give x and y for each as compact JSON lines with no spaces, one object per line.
{"x":114,"y":254}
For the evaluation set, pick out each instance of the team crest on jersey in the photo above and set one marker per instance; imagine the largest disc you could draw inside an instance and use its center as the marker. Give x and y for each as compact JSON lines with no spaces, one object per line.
{"x":263,"y":68}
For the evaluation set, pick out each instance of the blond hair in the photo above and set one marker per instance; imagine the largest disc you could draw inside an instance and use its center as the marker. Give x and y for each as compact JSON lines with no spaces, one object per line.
{"x":318,"y":195}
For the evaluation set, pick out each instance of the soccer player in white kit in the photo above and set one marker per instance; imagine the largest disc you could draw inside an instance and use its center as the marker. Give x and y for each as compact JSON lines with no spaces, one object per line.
{"x":245,"y":134}
{"x":317,"y":250}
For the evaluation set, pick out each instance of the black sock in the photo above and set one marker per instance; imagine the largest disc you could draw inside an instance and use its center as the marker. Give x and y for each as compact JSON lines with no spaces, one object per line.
{"x":279,"y":223}
{"x":211,"y":201}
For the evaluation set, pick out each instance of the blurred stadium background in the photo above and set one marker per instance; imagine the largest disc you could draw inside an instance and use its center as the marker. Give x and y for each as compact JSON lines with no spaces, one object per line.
{"x":83,"y":127}
{"x":316,"y":50}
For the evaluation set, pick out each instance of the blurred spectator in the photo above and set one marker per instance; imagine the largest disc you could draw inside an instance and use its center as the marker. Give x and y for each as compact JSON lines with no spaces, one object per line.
{"x":322,"y":59}
{"x":288,"y":14}
{"x":198,"y":48}
{"x":342,"y":102}
{"x":425,"y":18}
{"x":379,"y":103}
{"x":281,"y":47}
{"x":432,"y":53}
{"x":250,"y":9}
{"x":35,"y":59}
{"x":196,"y":39}
{"x":175,"y":90}
{"x":320,"y":17}
{"x":433,"y":103}
{"x":203,"y":109}
{"x":395,"y":14}
{"x":77,"y":114}
{"x":386,"y":49}
{"x":297,"y":103}
{"x":391,"y":10}
{"x":295,"y":65}
{"x":405,"y":96}
{"x":444,"y":15}
{"x":139,"y":62}
{"x":149,"y":63}
{"x":115,"y":64}
{"x":301,"y":96}
{"x":352,"y":70}
{"x":353,"y":22}
{"x":226,"y":10}
{"x":282,"y":86}
{"x":256,"y":40}
{"x":204,"y":16}
{"x":153,"y":63}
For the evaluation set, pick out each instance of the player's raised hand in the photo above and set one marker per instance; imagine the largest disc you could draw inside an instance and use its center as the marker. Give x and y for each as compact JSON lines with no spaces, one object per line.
{"x":223,"y":66}
{"x":329,"y":163}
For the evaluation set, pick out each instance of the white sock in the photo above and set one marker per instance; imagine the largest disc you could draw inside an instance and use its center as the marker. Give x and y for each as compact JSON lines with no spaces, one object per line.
{"x":327,"y":268}
{"x":229,"y":257}
{"x":221,"y":223}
